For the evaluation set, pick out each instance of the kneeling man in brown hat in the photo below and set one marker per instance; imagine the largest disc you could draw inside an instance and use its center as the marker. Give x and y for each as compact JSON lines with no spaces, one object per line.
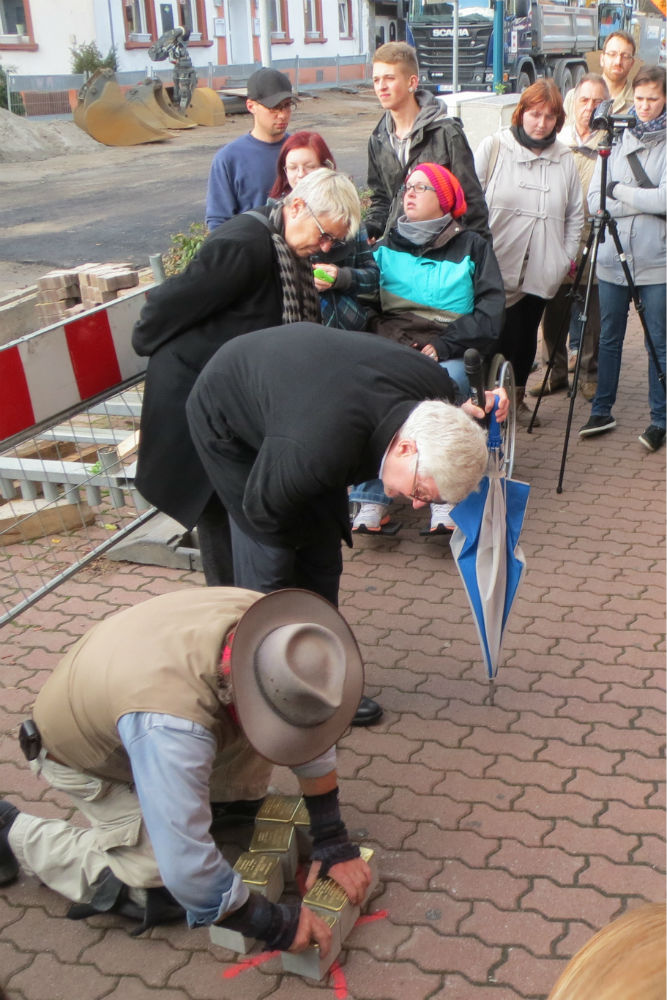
{"x":188,"y":697}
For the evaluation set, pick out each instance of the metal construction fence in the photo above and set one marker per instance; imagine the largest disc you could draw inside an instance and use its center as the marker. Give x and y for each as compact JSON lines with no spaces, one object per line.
{"x":69,"y":421}
{"x":55,"y":94}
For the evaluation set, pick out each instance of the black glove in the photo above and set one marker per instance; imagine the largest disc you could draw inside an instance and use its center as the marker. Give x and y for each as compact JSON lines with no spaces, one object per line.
{"x":331,"y":843}
{"x":610,"y":188}
{"x":273,"y":923}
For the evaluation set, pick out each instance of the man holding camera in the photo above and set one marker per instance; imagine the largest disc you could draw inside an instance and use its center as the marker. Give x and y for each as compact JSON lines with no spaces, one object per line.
{"x":616,"y":62}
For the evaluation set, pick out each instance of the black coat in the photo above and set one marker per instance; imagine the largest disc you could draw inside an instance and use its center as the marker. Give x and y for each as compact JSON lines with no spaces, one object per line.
{"x":285,"y":419}
{"x":232,"y":286}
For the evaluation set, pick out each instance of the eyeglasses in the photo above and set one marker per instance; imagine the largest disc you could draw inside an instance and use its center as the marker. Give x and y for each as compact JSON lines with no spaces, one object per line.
{"x":294,"y":168}
{"x":325,"y":237}
{"x":624,"y":56}
{"x":418,"y":188}
{"x":418,"y":492}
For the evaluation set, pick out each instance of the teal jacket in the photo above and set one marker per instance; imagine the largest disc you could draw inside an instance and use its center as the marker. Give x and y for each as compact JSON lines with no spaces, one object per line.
{"x":448,"y":293}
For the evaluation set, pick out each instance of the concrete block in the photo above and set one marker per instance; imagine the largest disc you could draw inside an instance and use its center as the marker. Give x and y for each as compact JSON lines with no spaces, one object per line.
{"x":262,"y":873}
{"x":233,"y":940}
{"x":327,"y":898}
{"x":69,"y":294}
{"x":18,"y":314}
{"x":310,"y":963}
{"x":160,"y":542}
{"x":279,"y":809}
{"x":57,"y":279}
{"x":279,"y":841}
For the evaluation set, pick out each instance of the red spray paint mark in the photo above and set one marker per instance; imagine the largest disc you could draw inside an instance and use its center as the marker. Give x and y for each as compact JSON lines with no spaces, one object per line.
{"x":248,"y":963}
{"x":368,"y":918}
{"x":338,"y":981}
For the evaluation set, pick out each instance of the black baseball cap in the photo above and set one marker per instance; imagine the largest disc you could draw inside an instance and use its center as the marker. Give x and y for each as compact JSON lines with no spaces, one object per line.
{"x":269,"y":87}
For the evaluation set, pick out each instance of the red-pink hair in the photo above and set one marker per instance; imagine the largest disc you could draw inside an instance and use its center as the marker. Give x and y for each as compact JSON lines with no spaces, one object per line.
{"x":299,"y":140}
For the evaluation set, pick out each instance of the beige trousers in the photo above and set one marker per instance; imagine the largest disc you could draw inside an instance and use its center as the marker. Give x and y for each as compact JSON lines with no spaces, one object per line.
{"x":70,"y":858}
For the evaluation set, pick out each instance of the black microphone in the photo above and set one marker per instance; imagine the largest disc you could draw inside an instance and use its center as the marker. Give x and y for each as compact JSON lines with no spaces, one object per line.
{"x":472,"y":364}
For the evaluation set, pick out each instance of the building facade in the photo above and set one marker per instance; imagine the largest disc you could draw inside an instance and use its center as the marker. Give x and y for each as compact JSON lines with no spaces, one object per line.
{"x":36,"y":36}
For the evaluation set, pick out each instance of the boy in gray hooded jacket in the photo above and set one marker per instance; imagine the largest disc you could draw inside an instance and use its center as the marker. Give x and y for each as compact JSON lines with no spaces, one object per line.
{"x":415,"y":129}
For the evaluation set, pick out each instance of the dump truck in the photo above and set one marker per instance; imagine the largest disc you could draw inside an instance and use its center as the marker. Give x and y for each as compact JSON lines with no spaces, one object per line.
{"x":539,"y":39}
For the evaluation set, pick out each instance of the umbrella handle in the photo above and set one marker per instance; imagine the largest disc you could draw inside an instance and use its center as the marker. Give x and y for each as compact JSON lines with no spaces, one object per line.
{"x":494,"y":427}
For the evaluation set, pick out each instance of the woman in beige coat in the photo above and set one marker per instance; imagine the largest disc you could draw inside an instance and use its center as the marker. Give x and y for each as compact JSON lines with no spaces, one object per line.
{"x":536,"y":215}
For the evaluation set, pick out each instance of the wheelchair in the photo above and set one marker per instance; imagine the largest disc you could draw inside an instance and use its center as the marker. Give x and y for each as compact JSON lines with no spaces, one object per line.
{"x":500,"y":375}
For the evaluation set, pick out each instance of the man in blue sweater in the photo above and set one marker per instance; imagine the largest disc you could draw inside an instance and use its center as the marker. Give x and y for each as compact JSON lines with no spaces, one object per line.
{"x":243,"y":171}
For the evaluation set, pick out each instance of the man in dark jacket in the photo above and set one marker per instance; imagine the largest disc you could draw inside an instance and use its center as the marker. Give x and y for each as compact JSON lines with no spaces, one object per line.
{"x":415,"y":129}
{"x":285,"y":419}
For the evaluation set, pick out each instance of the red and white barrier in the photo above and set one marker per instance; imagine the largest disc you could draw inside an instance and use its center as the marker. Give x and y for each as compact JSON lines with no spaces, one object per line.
{"x":52,"y":370}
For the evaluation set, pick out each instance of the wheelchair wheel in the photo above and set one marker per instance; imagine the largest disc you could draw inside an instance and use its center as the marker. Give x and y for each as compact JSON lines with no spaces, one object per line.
{"x":501,"y":376}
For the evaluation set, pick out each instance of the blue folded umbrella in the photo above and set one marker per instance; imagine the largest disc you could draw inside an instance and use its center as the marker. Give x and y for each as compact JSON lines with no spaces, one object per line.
{"x":486,"y":549}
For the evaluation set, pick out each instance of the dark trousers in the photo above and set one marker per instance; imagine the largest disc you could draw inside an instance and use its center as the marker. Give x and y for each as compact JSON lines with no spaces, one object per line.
{"x":215,"y":544}
{"x":267,"y":567}
{"x":561,"y":310}
{"x":518,"y":340}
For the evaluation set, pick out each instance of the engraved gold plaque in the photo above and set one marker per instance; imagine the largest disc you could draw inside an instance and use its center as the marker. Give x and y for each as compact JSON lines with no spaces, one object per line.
{"x":278,"y":809}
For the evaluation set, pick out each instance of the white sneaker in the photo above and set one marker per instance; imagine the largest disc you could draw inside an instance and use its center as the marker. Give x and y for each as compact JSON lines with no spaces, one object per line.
{"x":369,"y":516}
{"x":440,"y":517}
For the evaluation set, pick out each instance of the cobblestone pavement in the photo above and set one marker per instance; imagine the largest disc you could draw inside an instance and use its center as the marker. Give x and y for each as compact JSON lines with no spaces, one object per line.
{"x":509,"y":825}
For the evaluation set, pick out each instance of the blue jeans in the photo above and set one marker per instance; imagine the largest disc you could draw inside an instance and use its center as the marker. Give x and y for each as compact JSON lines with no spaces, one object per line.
{"x":614,"y":306}
{"x":371,"y":491}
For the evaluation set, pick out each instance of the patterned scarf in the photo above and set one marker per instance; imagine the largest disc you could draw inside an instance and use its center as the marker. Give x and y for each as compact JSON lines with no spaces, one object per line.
{"x":647,"y":128}
{"x":301,"y":301}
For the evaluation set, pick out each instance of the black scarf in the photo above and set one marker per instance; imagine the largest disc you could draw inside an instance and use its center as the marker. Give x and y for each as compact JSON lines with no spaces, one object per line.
{"x":524,"y":139}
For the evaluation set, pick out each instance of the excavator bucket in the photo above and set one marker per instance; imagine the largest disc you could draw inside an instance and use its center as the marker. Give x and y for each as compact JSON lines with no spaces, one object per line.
{"x":149,"y":96}
{"x":206,"y":107}
{"x":108,"y":118}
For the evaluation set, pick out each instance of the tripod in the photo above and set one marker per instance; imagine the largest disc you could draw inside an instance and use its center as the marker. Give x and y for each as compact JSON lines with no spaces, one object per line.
{"x":600,"y":222}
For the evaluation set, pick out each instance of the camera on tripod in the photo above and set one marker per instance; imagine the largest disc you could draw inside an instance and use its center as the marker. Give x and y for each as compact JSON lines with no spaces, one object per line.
{"x":602,"y":118}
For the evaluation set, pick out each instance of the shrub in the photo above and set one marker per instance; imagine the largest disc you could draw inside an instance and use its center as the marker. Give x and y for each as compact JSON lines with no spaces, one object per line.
{"x":183,"y":248}
{"x":17,"y":101}
{"x":86,"y":58}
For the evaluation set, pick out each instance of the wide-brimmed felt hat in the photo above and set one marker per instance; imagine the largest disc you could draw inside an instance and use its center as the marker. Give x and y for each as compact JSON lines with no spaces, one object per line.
{"x":297,"y":675}
{"x":269,"y":87}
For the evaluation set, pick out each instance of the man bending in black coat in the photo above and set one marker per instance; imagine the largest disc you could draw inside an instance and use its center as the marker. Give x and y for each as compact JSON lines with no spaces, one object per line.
{"x":285,"y":418}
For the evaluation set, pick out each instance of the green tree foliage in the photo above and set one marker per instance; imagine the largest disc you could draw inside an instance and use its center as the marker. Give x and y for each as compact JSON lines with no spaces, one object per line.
{"x":17,"y":101}
{"x":183,"y":248}
{"x":86,"y":58}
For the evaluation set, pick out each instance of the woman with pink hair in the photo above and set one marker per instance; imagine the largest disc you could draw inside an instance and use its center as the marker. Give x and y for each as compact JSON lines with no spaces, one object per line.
{"x":346,"y":274}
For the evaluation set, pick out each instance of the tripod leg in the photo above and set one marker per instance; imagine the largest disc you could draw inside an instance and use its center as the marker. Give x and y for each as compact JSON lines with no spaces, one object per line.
{"x":596,"y":236}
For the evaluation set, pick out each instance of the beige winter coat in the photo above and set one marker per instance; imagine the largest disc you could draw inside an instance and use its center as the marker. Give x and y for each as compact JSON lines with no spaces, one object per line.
{"x":536,"y":213}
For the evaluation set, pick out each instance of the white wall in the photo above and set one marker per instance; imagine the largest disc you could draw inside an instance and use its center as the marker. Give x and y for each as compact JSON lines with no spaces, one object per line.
{"x":58,"y":23}
{"x":55,"y":27}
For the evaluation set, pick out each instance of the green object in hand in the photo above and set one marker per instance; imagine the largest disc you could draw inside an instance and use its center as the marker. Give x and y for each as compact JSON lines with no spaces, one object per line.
{"x":323,"y":275}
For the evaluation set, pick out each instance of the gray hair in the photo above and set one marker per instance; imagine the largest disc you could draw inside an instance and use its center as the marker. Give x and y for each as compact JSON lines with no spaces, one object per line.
{"x":329,"y":192}
{"x":451,"y":445}
{"x":596,"y":78}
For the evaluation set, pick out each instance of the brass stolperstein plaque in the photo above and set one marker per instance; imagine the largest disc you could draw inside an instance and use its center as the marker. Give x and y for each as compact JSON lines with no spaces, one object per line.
{"x":278,"y":809}
{"x":257,"y":869}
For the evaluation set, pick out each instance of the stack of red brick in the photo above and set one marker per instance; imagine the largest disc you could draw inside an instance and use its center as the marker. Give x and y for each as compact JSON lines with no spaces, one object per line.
{"x":63,"y":294}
